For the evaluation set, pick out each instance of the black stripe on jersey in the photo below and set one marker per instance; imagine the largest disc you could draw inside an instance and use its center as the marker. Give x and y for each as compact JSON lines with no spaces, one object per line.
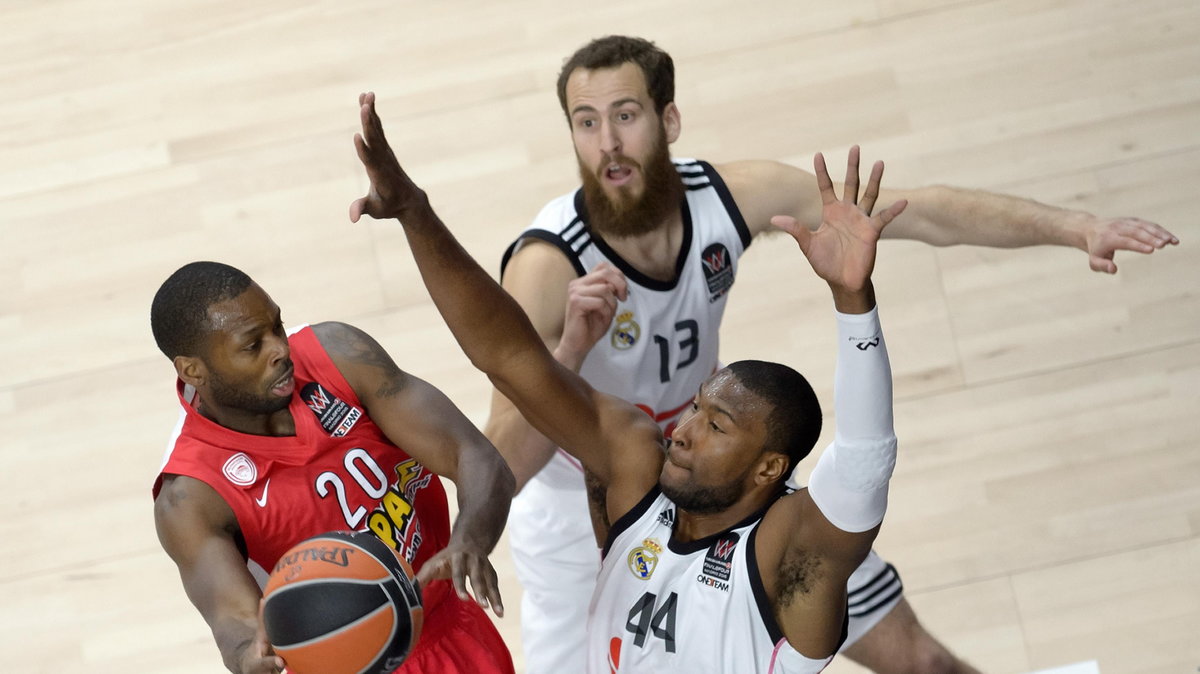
{"x":550,"y":238}
{"x":875,"y":606}
{"x":730,"y":205}
{"x":883,"y":588}
{"x":578,"y":235}
{"x":765,"y":610}
{"x":628,"y":519}
{"x":887,"y":576}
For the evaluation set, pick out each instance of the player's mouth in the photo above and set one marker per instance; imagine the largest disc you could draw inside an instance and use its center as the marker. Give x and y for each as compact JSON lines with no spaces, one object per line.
{"x":673,"y":459}
{"x":617,"y":174}
{"x":285,"y":385}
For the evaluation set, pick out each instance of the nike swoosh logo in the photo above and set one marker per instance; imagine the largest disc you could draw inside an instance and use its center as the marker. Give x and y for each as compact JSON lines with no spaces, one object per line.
{"x":262,"y":500}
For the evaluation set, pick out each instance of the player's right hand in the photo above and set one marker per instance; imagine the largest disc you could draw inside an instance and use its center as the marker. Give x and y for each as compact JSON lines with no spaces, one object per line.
{"x":258,"y":657}
{"x":392,"y":192}
{"x":591,"y":304}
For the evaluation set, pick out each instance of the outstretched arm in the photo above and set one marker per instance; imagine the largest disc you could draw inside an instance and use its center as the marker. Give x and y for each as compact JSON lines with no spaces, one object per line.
{"x":570,"y":313}
{"x":499,"y":340}
{"x":941,"y":215}
{"x":817,"y":537}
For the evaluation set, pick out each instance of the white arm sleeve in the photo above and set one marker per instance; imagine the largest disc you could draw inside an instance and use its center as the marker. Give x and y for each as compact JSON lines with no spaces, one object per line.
{"x":850,"y":481}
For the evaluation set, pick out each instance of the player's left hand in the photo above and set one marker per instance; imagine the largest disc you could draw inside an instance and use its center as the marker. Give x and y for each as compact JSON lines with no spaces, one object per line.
{"x":842,"y":250}
{"x":392,"y":191}
{"x":458,"y":562}
{"x":1105,"y":236}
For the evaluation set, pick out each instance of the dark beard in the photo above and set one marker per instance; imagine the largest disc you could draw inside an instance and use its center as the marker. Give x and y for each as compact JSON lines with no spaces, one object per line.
{"x":632,"y":216}
{"x":225,"y":395}
{"x":705,"y":500}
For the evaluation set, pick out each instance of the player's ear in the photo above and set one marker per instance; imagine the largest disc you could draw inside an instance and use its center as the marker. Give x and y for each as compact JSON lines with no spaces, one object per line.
{"x":672,"y":124}
{"x":771,"y":468}
{"x":191,"y":370}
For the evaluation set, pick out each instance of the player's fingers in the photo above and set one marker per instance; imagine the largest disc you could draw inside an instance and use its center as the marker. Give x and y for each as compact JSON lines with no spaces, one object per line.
{"x":357,"y":207}
{"x":1102,"y":264}
{"x":868,"y":200}
{"x":1136,"y":236}
{"x":458,"y":576}
{"x":491,"y":586}
{"x":480,"y":581}
{"x":435,"y":568}
{"x":823,"y":182}
{"x":793,"y":226}
{"x":850,"y":193}
{"x":888,"y":214}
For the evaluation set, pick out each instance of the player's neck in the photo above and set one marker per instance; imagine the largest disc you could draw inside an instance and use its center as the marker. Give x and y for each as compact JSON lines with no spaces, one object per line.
{"x":275,"y":424}
{"x":691,"y":526}
{"x":653,"y":253}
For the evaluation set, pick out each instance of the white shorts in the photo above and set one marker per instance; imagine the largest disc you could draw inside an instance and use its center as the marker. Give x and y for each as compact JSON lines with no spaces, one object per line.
{"x":556,"y":560}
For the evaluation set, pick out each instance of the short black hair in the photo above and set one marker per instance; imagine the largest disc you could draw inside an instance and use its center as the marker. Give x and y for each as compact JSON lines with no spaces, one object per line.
{"x":179,"y":312}
{"x":794,"y":423}
{"x":615,"y":50}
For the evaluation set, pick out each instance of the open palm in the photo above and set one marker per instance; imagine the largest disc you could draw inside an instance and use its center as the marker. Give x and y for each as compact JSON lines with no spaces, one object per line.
{"x":842,"y":250}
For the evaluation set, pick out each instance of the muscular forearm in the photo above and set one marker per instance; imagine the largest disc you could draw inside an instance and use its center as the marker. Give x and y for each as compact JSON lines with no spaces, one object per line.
{"x":944,"y":216}
{"x":485,"y":488}
{"x":235,"y":637}
{"x":524,"y":448}
{"x":488,"y":324}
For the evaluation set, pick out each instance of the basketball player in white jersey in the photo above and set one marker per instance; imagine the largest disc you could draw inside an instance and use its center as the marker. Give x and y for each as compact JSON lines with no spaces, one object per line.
{"x":674,"y":232}
{"x":712,"y":564}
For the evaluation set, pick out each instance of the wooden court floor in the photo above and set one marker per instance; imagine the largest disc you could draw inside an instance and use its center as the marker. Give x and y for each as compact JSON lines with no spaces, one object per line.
{"x":1046,"y":505}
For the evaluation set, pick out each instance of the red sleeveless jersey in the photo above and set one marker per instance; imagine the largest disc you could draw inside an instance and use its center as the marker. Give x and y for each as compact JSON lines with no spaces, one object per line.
{"x":338,"y":472}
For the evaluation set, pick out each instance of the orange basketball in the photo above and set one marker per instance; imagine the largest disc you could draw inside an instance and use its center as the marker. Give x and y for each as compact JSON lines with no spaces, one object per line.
{"x":342,"y":603}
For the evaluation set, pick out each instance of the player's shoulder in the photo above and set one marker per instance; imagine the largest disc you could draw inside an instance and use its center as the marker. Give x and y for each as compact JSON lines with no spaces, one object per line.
{"x":558,"y":213}
{"x":184,"y":501}
{"x":748,"y":173}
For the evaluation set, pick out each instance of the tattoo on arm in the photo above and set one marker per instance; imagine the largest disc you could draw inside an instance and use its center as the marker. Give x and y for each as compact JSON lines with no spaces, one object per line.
{"x":358,"y":347}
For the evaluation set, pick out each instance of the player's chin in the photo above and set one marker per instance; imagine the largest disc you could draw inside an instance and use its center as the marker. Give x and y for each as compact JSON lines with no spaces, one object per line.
{"x":673,"y":478}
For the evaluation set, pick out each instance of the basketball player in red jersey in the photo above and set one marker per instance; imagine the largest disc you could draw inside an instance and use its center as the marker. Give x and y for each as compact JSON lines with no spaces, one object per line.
{"x":282,"y":437}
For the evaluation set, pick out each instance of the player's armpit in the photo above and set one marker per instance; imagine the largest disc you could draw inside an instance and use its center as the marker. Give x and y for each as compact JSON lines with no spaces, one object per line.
{"x":804,"y":562}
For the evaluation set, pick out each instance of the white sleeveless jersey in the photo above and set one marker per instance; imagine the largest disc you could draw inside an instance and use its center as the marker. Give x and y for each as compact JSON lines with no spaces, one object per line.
{"x":663,"y":342}
{"x":666,"y":606}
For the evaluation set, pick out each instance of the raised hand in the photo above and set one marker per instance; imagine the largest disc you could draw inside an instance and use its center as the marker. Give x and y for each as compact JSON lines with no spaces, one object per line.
{"x":392,"y":191}
{"x":842,"y":249}
{"x":591,"y":305}
{"x":1105,"y":236}
{"x":458,"y":562}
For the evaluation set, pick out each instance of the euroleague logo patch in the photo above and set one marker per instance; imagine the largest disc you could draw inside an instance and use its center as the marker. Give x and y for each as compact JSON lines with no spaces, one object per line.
{"x":718,"y":563}
{"x":336,"y":416}
{"x":240,"y":470}
{"x":718,"y":270}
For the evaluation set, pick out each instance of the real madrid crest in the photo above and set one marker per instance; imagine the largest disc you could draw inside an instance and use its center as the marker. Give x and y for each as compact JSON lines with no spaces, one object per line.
{"x":625,"y":331}
{"x":644,"y":558}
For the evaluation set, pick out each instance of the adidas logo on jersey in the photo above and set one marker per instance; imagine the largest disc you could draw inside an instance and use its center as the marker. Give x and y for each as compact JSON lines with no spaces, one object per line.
{"x":667,"y":517}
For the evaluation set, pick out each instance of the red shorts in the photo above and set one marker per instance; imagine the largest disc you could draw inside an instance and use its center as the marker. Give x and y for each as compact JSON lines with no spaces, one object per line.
{"x":457,"y":637}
